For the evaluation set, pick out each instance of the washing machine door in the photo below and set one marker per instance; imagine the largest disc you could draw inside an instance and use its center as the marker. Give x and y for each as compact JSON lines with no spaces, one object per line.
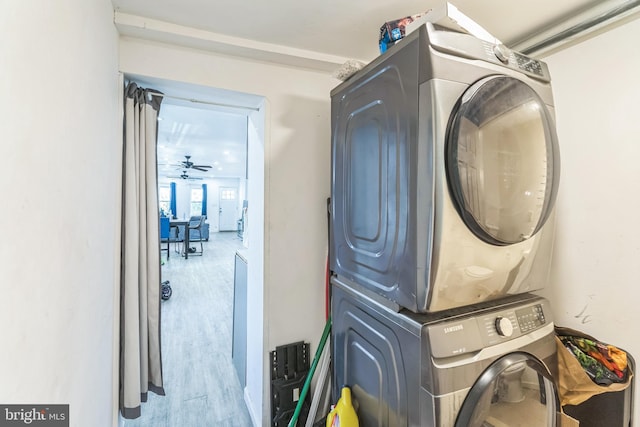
{"x":502,"y":160}
{"x":516,"y":390}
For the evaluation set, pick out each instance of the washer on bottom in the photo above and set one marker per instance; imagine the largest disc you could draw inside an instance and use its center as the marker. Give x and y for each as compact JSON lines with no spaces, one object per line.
{"x":487,"y":364}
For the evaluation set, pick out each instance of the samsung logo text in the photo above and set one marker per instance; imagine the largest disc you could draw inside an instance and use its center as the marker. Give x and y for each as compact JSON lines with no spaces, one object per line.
{"x":455,"y":328}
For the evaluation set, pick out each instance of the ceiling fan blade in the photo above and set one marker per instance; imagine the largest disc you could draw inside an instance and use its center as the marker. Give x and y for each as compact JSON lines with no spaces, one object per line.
{"x":201,"y":168}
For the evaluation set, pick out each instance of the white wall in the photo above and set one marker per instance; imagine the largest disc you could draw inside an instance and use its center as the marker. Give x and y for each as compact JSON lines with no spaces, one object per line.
{"x":61,"y":156}
{"x":596,"y":267}
{"x":297,"y":173}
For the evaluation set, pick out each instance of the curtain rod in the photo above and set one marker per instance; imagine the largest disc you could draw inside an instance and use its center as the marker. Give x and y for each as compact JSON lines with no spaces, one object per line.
{"x":197,"y":101}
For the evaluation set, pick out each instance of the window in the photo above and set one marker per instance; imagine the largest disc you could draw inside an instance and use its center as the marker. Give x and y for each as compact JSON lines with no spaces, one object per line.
{"x":228,"y":194}
{"x":164,"y":200}
{"x":196,"y":201}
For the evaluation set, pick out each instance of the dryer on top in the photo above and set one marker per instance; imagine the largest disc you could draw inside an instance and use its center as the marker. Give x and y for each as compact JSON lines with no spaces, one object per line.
{"x":445,"y":169}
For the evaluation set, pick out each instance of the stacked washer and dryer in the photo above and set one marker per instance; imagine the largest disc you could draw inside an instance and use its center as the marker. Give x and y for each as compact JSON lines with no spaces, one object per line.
{"x":445,"y":170}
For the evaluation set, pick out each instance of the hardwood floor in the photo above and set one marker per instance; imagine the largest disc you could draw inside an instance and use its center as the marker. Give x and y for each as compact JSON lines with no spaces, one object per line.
{"x":200,"y":382}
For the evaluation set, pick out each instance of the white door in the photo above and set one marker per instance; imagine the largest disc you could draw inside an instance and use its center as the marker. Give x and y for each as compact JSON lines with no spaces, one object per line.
{"x":228,"y":203}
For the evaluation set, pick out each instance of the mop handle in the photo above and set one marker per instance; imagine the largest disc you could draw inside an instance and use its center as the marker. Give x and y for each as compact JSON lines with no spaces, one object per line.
{"x":307,"y":383}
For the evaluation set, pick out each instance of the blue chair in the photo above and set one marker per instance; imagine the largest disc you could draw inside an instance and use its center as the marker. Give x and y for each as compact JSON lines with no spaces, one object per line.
{"x":164,"y":234}
{"x":195,"y":234}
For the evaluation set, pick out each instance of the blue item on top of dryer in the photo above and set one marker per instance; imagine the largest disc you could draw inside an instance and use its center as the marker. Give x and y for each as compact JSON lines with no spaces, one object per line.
{"x":445,"y":169}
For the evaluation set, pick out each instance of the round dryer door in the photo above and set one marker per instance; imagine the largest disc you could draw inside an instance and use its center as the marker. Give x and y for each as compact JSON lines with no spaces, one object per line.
{"x":516,"y":390}
{"x":502,"y":160}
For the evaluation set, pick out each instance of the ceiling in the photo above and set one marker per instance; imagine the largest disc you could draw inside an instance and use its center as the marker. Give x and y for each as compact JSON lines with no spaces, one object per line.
{"x":315,"y":34}
{"x":207,"y":124}
{"x":347,"y":29}
{"x":210,"y":138}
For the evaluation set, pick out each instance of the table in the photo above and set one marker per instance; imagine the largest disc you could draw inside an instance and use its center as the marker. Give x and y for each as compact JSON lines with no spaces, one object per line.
{"x":185,"y":222}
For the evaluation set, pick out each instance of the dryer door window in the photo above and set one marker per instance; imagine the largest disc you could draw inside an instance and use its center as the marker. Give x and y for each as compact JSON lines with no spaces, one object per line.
{"x":502,"y":160}
{"x":516,"y":390}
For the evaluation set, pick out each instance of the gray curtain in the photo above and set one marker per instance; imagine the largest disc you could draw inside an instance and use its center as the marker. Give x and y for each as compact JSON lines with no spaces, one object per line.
{"x":140,"y":355}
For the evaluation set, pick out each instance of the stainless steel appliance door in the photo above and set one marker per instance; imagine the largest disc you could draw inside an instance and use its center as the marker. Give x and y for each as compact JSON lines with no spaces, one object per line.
{"x":515,"y":390}
{"x":502,"y":160}
{"x":469,"y":264}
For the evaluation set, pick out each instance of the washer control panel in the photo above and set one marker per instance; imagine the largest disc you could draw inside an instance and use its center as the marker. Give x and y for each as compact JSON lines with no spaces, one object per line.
{"x":477,"y":330}
{"x":504,"y":327}
{"x":530,"y":318}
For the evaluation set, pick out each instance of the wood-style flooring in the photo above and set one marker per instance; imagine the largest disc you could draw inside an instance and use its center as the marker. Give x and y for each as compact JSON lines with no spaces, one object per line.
{"x":200,"y":382}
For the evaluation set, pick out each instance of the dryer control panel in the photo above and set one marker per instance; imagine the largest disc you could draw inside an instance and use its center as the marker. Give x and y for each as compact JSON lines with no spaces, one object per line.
{"x":467,"y":46}
{"x":484,"y":328}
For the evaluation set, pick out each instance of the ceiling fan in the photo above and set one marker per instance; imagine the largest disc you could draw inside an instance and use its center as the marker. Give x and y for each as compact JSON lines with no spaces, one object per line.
{"x":184,"y":175}
{"x":188,"y":164}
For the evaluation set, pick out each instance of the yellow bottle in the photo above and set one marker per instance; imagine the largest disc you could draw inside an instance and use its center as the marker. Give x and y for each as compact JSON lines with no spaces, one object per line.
{"x":343,"y":414}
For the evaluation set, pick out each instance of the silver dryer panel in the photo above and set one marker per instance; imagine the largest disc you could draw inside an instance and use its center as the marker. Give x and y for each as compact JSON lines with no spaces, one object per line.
{"x":400,"y":226}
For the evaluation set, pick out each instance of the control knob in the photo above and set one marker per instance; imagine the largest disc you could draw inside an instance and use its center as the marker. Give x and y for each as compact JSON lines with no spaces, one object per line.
{"x":504,"y":327}
{"x":502,"y":53}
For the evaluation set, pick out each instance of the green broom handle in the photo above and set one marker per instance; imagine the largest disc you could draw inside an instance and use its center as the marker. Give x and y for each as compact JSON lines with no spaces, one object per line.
{"x":307,"y":383}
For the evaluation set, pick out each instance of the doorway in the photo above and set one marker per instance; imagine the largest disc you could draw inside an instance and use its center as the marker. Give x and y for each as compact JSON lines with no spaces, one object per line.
{"x":211,"y":274}
{"x":228,"y":211}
